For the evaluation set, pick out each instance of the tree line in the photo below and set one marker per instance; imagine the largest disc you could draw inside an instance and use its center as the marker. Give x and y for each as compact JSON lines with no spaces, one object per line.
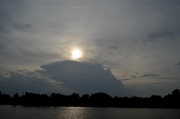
{"x":99,"y":99}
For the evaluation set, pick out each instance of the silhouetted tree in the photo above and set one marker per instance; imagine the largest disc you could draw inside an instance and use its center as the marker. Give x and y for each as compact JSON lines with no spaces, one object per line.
{"x":58,"y":99}
{"x":101,"y":100}
{"x":95,"y":100}
{"x":155,"y":101}
{"x":176,"y":93}
{"x":173,"y":100}
{"x":16,"y":99}
{"x":5,"y":99}
{"x":85,"y":100}
{"x":74,"y":99}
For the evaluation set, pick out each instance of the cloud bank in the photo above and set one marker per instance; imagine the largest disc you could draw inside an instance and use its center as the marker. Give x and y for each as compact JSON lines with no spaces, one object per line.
{"x":84,"y":77}
{"x":69,"y":76}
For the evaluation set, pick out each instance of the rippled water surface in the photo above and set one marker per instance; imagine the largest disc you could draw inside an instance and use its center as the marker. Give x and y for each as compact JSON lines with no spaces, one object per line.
{"x":20,"y":112}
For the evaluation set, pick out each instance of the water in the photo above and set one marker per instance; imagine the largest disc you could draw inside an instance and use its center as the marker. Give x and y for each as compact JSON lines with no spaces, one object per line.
{"x":20,"y":112}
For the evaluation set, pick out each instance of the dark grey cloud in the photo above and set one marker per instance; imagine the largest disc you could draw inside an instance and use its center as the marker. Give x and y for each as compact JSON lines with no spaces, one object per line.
{"x":129,"y":77}
{"x":8,"y":26}
{"x":164,"y":33}
{"x":64,"y":77}
{"x":178,"y":63}
{"x":138,"y":76}
{"x":125,"y":79}
{"x":3,"y":28}
{"x":84,"y":77}
{"x":27,"y":81}
{"x":4,"y":25}
{"x":150,"y":75}
{"x":22,"y":27}
{"x":175,"y":71}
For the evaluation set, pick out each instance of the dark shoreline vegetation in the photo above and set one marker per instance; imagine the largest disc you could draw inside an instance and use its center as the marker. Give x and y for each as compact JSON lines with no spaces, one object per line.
{"x":94,"y":100}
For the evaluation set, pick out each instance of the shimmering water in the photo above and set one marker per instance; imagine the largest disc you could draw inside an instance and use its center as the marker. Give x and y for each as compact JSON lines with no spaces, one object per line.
{"x":20,"y":112}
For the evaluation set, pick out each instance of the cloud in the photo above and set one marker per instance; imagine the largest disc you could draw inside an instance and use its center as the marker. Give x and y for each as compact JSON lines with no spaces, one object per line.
{"x":8,"y":26}
{"x":150,"y":75}
{"x":138,"y":76}
{"x":175,"y":71}
{"x":84,"y":77}
{"x":22,"y":26}
{"x":178,"y":63}
{"x":63,"y":77}
{"x":28,"y":81}
{"x":125,"y":36}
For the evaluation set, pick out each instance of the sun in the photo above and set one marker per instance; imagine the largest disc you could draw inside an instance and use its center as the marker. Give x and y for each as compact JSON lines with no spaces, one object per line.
{"x":76,"y":54}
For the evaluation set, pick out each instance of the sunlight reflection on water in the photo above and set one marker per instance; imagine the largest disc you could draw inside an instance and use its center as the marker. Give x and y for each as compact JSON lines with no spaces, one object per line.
{"x":72,"y":113}
{"x":20,"y":112}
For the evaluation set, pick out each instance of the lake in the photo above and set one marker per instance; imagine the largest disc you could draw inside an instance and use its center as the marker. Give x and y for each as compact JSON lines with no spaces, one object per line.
{"x":20,"y":112}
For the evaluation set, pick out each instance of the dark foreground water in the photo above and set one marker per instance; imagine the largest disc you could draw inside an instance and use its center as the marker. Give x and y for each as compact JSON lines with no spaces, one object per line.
{"x":20,"y":112}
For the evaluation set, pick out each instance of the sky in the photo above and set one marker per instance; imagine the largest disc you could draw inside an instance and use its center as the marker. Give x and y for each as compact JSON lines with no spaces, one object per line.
{"x":128,"y":47}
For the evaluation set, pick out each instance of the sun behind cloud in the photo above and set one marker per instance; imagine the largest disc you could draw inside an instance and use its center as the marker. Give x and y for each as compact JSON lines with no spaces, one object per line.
{"x":76,"y":54}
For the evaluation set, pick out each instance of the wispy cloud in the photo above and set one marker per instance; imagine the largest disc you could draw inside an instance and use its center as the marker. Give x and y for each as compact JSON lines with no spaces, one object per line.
{"x":150,"y":75}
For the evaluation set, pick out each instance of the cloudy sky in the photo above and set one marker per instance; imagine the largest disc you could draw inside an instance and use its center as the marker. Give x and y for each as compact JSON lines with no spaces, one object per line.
{"x":128,"y":47}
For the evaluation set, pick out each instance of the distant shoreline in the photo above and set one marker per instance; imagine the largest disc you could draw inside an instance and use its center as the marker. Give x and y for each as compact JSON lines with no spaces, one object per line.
{"x":99,"y":99}
{"x":40,"y":106}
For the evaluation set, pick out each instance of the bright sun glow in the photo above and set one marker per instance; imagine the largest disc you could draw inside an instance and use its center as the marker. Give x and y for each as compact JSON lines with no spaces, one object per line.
{"x":76,"y":54}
